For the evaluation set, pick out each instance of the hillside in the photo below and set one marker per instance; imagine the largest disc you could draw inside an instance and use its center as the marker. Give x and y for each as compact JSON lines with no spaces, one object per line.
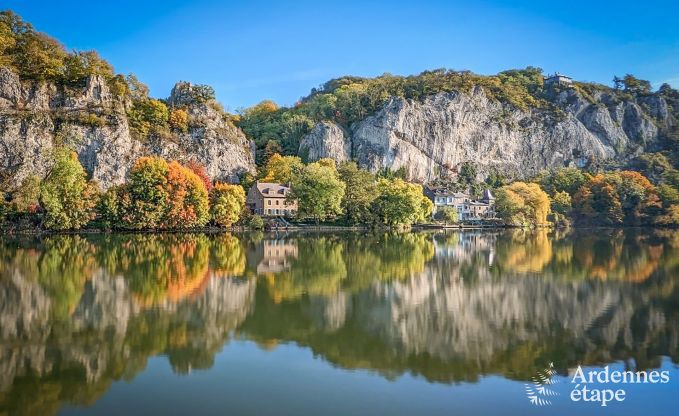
{"x":433,"y":123}
{"x":49,"y":97}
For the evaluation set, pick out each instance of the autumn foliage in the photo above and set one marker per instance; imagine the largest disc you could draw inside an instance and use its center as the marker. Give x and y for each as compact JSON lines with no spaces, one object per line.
{"x":624,"y":197}
{"x":158,"y":195}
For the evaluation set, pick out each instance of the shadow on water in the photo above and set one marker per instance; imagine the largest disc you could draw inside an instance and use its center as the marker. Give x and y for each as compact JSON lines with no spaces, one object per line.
{"x":79,"y":312}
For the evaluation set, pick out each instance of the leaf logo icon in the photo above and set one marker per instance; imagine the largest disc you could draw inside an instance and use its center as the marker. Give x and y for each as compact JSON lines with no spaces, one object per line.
{"x":539,"y":392}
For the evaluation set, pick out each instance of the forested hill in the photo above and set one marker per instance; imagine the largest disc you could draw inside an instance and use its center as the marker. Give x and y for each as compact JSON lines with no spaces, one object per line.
{"x":427,"y":125}
{"x":432,"y":123}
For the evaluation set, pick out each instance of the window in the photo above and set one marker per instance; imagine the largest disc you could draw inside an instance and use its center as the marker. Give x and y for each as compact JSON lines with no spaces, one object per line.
{"x":268,"y":202}
{"x":277,"y":202}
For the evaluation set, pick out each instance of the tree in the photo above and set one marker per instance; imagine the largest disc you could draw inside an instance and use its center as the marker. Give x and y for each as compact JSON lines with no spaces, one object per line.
{"x":188,"y":203}
{"x":616,"y":198}
{"x":226,"y":203}
{"x":318,"y":191}
{"x":360,"y":192}
{"x":467,"y":175}
{"x":147,"y":114}
{"x":199,"y":169}
{"x":567,"y":180}
{"x":448,"y":215}
{"x":561,"y":203}
{"x":256,"y":222}
{"x":635,"y":85}
{"x":282,"y":169}
{"x":145,"y":198}
{"x":522,"y":204}
{"x":66,"y":195}
{"x":26,"y":199}
{"x":400,"y":203}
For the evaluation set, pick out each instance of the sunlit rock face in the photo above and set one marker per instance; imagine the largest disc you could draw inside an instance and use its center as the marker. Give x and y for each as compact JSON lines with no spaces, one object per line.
{"x":434,"y":137}
{"x":35,"y":117}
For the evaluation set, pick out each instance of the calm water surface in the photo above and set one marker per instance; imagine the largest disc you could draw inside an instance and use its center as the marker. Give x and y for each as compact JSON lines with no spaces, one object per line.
{"x":335,"y":324}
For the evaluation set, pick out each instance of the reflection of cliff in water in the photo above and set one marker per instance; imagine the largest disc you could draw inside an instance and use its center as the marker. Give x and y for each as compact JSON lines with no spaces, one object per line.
{"x":77,"y":313}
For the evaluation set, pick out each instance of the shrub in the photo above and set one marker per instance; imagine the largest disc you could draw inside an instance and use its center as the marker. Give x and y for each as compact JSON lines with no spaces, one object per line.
{"x":179,"y":120}
{"x":448,"y":215}
{"x":226,"y":203}
{"x":256,"y":222}
{"x":146,"y":114}
{"x":66,"y":196}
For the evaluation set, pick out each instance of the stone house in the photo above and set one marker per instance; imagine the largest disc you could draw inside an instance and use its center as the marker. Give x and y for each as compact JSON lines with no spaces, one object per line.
{"x":467,"y":207}
{"x":270,"y":200}
{"x":558,"y":79}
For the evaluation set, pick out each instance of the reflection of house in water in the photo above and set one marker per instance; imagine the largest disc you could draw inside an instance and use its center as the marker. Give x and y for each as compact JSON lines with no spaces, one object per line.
{"x":273,"y":256}
{"x":466,"y":245}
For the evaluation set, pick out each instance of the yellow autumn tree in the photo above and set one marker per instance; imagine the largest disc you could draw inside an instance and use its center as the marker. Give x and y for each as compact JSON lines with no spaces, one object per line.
{"x":523,"y":204}
{"x":281,"y":169}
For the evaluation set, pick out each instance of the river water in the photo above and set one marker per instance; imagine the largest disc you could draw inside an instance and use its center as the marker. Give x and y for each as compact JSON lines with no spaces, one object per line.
{"x":436,"y":323}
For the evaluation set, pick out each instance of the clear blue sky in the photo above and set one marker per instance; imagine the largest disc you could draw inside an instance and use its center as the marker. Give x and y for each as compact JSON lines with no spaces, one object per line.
{"x":250,"y":51}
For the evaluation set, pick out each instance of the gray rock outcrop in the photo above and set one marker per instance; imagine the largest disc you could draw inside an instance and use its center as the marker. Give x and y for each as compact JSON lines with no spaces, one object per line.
{"x":35,"y":117}
{"x":434,"y":137}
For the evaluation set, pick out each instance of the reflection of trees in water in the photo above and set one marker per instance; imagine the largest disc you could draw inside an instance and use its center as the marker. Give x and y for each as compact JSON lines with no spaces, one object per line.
{"x":80,"y":312}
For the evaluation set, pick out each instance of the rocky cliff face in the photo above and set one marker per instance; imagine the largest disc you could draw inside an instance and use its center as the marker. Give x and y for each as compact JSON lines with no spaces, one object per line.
{"x":434,"y":137}
{"x":34,"y":117}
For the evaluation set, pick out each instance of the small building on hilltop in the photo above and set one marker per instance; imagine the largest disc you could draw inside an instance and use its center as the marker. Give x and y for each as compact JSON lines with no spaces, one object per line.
{"x":558,"y":79}
{"x":270,"y":200}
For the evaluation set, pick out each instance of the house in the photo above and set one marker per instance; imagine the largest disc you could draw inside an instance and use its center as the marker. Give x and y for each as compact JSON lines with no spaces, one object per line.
{"x":467,"y":207}
{"x":270,"y":200}
{"x":558,"y":79}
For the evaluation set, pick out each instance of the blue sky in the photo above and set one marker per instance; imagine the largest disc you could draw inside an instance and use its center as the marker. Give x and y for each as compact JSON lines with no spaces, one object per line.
{"x":250,"y":51}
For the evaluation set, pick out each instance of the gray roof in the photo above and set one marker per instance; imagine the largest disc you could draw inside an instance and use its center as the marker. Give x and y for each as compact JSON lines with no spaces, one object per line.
{"x":272,"y":190}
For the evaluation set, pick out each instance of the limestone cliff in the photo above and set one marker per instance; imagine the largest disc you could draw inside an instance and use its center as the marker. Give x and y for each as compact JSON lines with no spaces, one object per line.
{"x":433,"y":137}
{"x":36,"y":116}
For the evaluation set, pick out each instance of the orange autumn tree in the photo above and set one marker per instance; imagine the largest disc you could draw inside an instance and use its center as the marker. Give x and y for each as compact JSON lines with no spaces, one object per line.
{"x":613,"y":198}
{"x":188,"y":198}
{"x":199,"y":169}
{"x":158,"y":195}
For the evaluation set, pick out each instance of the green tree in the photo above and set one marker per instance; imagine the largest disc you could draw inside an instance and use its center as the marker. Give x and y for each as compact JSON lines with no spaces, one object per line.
{"x":467,"y":175}
{"x":226,"y":203}
{"x":448,"y":215}
{"x":147,"y":114}
{"x":561,"y":203}
{"x":256,"y":222}
{"x":146,"y":196}
{"x":400,"y":203}
{"x":318,"y":191}
{"x":567,"y":180}
{"x":360,"y":192}
{"x":66,"y":196}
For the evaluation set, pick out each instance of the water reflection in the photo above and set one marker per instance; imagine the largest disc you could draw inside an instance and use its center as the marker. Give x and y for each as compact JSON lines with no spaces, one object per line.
{"x":79,"y":312}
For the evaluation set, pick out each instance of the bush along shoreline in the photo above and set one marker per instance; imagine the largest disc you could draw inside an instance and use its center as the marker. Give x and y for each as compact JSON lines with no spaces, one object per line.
{"x":161,"y":196}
